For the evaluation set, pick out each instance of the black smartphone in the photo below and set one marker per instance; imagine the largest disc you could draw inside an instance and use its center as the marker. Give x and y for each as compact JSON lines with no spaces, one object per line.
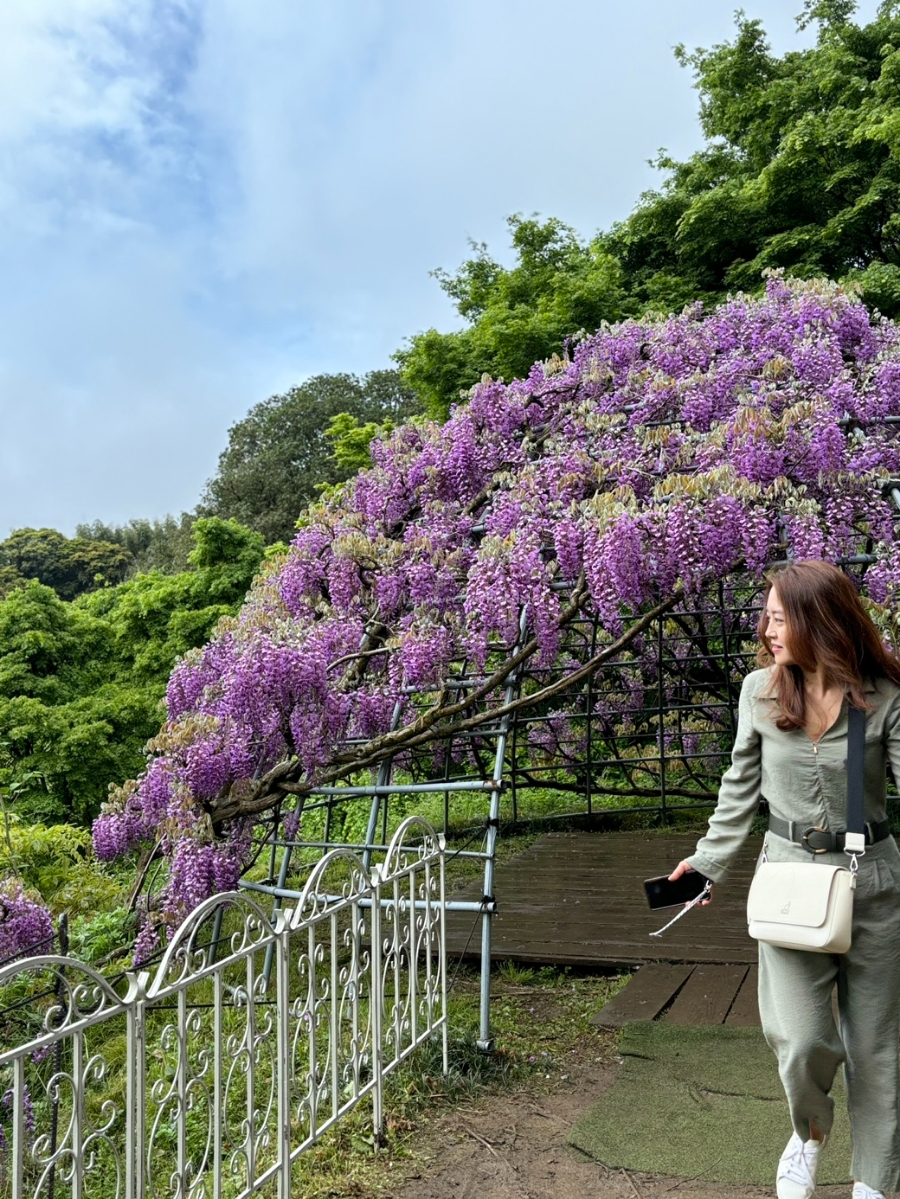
{"x":662,"y":893}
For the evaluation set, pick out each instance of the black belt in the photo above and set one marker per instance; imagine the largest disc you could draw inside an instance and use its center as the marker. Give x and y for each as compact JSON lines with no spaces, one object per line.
{"x":822,"y":840}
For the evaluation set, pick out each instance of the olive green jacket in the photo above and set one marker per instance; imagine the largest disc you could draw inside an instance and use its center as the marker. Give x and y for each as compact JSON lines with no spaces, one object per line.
{"x":803,"y":782}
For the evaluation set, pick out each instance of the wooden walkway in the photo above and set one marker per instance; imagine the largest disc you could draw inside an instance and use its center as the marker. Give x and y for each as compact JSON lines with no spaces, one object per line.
{"x":577,"y":899}
{"x":686,"y":995}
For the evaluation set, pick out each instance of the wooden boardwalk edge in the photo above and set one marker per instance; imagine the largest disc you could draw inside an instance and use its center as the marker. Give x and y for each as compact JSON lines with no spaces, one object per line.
{"x":685,"y":994}
{"x":650,"y":990}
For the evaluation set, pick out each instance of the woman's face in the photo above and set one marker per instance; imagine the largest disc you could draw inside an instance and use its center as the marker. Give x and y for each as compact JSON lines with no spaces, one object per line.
{"x":777,"y":630}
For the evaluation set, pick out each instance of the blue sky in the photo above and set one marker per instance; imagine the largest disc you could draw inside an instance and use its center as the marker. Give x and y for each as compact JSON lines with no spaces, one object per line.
{"x":203,"y":202}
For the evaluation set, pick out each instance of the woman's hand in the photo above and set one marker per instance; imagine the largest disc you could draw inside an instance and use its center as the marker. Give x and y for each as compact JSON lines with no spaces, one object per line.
{"x":684,"y":867}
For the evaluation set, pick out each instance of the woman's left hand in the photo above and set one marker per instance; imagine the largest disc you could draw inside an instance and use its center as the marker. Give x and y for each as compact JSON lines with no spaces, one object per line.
{"x":682,"y":868}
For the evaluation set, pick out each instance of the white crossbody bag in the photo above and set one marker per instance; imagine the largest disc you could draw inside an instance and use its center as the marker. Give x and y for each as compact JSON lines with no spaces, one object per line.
{"x":808,"y":905}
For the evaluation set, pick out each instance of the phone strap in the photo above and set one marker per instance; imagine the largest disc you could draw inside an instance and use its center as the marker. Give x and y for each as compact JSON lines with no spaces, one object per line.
{"x":856,"y":756}
{"x":687,"y":907}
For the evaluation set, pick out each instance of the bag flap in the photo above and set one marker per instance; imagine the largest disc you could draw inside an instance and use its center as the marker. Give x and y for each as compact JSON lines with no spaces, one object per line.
{"x":792,"y":893}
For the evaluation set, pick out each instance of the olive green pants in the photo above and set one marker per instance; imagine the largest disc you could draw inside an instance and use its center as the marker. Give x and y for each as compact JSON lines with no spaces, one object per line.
{"x":795,"y":990}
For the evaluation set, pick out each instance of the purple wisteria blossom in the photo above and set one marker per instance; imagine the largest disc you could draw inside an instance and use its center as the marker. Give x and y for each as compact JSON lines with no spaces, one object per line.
{"x":26,"y":926}
{"x":659,"y":454}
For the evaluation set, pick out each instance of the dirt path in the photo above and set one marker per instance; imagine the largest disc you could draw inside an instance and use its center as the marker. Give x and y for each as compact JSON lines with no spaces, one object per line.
{"x":513,"y":1146}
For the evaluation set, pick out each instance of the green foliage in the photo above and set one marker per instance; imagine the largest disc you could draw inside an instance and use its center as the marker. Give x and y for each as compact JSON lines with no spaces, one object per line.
{"x":162,"y":545}
{"x":517,"y":316}
{"x":70,"y":566}
{"x":57,"y":863}
{"x":105,"y":934}
{"x":801,"y":170}
{"x":225,"y":557}
{"x":10,"y":579}
{"x":81,"y":682}
{"x":350,"y":439}
{"x":69,"y":721}
{"x":44,"y":644}
{"x":279,"y":454}
{"x":155,"y":617}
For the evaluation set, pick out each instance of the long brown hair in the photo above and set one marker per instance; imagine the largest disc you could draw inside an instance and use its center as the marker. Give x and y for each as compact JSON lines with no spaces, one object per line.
{"x":826,"y":625}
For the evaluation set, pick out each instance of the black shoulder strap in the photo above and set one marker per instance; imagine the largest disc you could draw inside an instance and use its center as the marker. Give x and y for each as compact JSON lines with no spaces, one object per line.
{"x":856,"y":753}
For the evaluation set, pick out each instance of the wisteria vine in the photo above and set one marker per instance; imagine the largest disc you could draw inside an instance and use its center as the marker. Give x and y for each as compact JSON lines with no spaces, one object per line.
{"x":657,"y":456}
{"x":26,"y":926}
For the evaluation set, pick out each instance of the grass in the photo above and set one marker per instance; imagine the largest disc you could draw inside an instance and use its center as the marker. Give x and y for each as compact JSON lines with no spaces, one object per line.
{"x":699,"y":1101}
{"x":540,"y":1021}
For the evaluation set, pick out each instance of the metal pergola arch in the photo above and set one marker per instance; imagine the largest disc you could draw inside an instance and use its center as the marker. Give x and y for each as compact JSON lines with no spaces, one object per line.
{"x":648,"y":731}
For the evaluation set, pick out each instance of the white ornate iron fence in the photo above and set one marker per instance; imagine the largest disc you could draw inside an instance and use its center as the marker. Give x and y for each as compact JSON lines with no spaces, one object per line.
{"x":208,"y":1079}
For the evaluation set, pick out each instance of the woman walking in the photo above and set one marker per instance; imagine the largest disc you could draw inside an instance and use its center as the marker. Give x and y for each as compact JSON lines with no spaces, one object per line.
{"x":820,"y":655}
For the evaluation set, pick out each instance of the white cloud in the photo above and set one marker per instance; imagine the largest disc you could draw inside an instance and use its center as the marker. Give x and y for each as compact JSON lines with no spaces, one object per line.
{"x":204,"y":201}
{"x":61,"y":70}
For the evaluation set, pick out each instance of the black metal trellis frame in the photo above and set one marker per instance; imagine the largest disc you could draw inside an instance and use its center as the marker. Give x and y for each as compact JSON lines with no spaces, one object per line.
{"x":648,"y":734}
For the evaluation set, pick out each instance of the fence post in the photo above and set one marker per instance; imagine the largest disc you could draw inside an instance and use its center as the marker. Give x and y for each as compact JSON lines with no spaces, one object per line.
{"x":57,"y":1050}
{"x":661,"y":704}
{"x":725,"y":618}
{"x":485,"y":1041}
{"x":218,"y":1118}
{"x":135,"y":1084}
{"x":284,"y":1058}
{"x":376,"y":996}
{"x":17,"y":1163}
{"x":442,"y":957}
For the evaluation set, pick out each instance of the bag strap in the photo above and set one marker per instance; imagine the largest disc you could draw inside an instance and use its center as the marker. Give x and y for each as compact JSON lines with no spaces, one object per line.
{"x":856,"y":753}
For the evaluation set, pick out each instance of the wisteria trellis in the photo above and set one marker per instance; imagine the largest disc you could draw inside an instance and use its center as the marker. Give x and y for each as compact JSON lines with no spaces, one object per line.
{"x":657,"y":457}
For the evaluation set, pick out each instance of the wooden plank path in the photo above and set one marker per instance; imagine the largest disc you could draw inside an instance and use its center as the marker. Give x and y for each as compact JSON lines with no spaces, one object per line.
{"x":577,"y":899}
{"x":685,"y":995}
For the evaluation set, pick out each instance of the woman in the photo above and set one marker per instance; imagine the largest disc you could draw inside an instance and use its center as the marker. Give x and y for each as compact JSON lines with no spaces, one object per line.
{"x":820,"y":653}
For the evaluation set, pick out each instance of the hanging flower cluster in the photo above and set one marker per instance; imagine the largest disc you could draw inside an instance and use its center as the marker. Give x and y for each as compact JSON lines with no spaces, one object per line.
{"x":658,"y":456}
{"x":26,"y":926}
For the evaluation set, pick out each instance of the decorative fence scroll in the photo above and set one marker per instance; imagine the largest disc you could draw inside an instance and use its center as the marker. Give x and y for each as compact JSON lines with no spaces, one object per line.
{"x":209,"y":1079}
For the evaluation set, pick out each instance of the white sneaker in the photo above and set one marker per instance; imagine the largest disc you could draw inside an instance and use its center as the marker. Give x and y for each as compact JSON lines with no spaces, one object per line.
{"x":861,"y":1191}
{"x":796,"y":1177}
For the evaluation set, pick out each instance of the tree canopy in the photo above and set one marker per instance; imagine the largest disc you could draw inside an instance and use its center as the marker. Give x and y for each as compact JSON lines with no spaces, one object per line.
{"x":81,"y":682}
{"x":71,"y":566}
{"x":153,"y":544}
{"x":279,"y":455}
{"x":800,"y":171}
{"x":516,"y":316}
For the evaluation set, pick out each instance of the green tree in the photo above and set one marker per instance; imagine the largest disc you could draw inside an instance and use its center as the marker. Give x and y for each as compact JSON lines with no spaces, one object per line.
{"x":279,"y":454}
{"x":156,"y":617}
{"x":81,"y":682}
{"x":10,"y":579}
{"x":558,"y":286}
{"x":351,"y":438}
{"x":153,"y":544}
{"x":69,"y":565}
{"x":800,"y":171}
{"x":70,"y":719}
